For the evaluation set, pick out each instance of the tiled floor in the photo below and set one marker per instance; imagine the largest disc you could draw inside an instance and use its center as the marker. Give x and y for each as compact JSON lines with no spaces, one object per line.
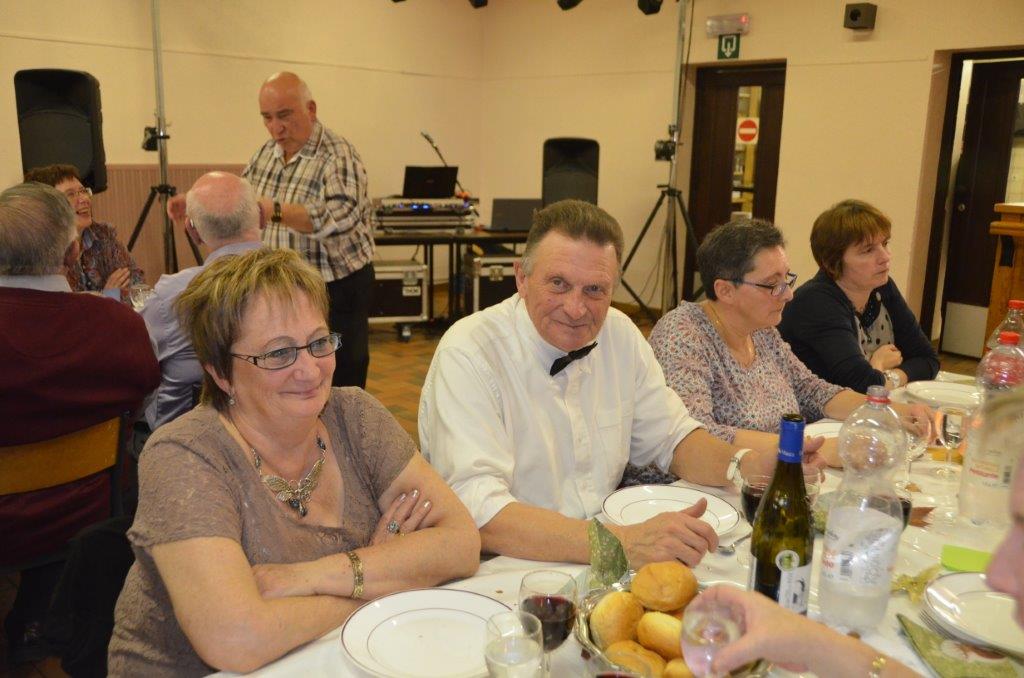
{"x":397,"y":371}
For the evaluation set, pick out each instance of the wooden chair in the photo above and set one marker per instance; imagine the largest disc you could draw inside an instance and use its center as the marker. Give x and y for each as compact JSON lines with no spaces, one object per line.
{"x":65,"y":459}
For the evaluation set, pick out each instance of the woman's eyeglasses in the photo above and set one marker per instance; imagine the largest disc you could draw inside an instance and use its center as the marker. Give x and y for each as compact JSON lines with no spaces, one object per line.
{"x":85,"y":190}
{"x":280,"y":358}
{"x":777,"y":290}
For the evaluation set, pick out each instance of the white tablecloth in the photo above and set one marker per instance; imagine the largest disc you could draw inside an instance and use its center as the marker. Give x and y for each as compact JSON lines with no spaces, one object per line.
{"x":499,"y":578}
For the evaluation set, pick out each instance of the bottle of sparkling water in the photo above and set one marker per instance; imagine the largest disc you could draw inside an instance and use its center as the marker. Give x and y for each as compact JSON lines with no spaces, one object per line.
{"x":865,"y":520}
{"x":990,"y":457}
{"x":1013,"y":322}
{"x":782,"y":542}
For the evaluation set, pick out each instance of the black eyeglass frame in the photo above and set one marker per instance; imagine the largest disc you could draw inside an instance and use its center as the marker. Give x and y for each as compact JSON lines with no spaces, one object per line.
{"x":778,"y":289}
{"x":334,"y":339}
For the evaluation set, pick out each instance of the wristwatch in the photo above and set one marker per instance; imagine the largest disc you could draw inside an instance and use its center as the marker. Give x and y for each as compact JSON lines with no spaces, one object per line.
{"x":894,"y":378}
{"x":275,"y":218}
{"x":732,"y":473}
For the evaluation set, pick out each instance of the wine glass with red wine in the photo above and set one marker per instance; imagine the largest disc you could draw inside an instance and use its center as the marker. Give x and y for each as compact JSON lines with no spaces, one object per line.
{"x":550,"y":596}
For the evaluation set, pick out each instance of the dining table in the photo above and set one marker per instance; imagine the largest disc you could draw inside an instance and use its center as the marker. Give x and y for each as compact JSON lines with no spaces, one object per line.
{"x":499,"y":578}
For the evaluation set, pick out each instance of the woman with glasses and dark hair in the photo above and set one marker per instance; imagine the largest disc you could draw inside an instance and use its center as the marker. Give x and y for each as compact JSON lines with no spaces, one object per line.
{"x":849,"y":323}
{"x":277,"y":506}
{"x":724,"y":356}
{"x":97,"y":261}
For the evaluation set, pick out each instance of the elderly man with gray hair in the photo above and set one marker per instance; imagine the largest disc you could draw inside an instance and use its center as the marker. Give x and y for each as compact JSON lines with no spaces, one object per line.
{"x":221,"y":215}
{"x":67,"y":361}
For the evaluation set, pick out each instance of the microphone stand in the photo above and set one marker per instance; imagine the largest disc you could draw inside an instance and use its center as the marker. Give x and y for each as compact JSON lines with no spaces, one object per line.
{"x":430,"y":140}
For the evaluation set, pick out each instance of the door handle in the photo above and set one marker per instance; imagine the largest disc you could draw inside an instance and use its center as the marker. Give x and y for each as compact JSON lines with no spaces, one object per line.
{"x":961,"y":207}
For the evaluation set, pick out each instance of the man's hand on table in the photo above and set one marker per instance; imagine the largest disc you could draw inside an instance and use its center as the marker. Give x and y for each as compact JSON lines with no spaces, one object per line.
{"x":676,"y":535}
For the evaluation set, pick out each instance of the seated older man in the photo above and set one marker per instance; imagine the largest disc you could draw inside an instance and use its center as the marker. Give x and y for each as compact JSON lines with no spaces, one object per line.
{"x":67,"y":361}
{"x":223,"y":216}
{"x":532,"y":408}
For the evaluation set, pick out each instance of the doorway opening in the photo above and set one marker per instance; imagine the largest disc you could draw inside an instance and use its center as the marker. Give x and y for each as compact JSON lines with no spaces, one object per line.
{"x":981,"y":163}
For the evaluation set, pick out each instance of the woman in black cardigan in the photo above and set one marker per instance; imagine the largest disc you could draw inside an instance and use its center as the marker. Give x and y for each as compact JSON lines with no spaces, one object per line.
{"x":849,"y":324}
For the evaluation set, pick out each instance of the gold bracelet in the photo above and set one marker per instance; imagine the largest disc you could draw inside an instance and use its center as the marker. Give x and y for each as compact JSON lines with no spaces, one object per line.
{"x":877,"y":666}
{"x":357,"y":574}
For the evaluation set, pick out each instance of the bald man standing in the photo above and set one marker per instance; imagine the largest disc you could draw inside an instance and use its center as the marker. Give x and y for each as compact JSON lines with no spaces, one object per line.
{"x":222,"y":217}
{"x":313,"y":188}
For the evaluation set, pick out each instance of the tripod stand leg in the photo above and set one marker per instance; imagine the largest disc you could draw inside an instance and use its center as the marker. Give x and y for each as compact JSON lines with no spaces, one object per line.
{"x":142,"y":217}
{"x":625,"y":265}
{"x":691,"y":238}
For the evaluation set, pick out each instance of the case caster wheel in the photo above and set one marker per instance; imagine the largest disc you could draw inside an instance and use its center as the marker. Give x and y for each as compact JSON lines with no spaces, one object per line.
{"x":404,"y":333}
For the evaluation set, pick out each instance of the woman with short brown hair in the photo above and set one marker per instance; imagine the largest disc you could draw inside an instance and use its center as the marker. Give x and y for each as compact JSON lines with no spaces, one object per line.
{"x":849,"y":323}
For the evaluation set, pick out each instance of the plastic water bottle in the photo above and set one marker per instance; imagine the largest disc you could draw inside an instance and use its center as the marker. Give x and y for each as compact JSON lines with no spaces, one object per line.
{"x":1013,"y":322}
{"x":989,"y":459}
{"x":865,"y":521}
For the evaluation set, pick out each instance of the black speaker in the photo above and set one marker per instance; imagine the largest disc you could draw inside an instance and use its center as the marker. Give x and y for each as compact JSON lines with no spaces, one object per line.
{"x":59,"y":122}
{"x":860,"y":16}
{"x":570,"y":170}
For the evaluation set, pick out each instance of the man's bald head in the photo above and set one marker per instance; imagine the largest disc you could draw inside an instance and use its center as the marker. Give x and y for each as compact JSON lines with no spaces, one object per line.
{"x":288,"y":110}
{"x":222,"y":207}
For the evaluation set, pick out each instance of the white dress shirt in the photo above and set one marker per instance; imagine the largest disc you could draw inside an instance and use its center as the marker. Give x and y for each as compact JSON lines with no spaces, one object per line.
{"x":500,"y":429}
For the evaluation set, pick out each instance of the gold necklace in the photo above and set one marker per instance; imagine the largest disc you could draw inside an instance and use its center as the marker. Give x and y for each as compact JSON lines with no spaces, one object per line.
{"x":748,"y":343}
{"x":294,"y":493}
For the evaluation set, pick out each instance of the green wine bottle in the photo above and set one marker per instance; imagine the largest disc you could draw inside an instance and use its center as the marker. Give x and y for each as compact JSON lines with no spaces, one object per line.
{"x":782,"y":542}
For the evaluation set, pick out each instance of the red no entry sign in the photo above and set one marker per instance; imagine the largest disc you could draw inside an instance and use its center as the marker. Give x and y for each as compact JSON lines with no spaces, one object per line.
{"x":746,"y":130}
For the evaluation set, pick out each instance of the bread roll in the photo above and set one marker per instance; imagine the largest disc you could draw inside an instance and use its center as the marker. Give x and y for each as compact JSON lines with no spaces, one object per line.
{"x":631,"y":655}
{"x":660,"y":632}
{"x":677,"y":668}
{"x":615,"y":618}
{"x":664,"y":586}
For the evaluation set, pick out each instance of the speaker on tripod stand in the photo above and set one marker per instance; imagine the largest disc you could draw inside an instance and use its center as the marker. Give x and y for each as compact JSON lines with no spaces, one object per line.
{"x":59,"y":122}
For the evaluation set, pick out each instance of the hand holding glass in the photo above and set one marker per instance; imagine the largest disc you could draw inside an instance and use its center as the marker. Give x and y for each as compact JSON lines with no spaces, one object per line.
{"x":708,"y":626}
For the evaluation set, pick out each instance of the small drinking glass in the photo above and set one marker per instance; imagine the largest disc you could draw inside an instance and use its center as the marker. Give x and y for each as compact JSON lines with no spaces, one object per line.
{"x":950,"y":427}
{"x":550,"y":596}
{"x":515,"y":646}
{"x":139,"y":295}
{"x":918,"y":429}
{"x":707,"y":628}
{"x":812,"y":482}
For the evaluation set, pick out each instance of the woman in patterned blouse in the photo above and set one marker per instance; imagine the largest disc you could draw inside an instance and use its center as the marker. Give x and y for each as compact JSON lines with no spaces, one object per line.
{"x":724,"y":356}
{"x":97,"y":262}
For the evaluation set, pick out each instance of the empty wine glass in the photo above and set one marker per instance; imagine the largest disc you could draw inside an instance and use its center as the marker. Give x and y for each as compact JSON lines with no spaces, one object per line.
{"x":515,"y":646}
{"x":950,"y":427}
{"x":918,"y":429}
{"x":708,"y":626}
{"x":550,"y":596}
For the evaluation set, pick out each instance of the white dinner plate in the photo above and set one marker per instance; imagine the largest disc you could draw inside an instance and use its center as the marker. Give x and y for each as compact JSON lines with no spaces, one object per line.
{"x":632,"y":505}
{"x":439,"y":633}
{"x":828,"y":429}
{"x":967,"y":607}
{"x":937,"y":393}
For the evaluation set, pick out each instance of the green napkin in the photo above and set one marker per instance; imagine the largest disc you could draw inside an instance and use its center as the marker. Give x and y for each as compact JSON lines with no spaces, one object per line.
{"x":608,"y":561}
{"x":963,"y":559}
{"x":950,"y":658}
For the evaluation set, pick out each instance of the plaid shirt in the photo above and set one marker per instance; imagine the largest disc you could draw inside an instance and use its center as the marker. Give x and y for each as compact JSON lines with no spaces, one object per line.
{"x":327,"y":177}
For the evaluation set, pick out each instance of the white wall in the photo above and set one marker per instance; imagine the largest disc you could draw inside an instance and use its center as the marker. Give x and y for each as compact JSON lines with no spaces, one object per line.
{"x":861,"y":118}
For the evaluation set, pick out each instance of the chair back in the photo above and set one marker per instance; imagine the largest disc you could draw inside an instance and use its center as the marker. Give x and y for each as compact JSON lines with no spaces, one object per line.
{"x":70,"y":457}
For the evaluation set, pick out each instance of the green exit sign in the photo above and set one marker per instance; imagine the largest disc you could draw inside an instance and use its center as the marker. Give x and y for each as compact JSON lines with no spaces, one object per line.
{"x":729,"y":46}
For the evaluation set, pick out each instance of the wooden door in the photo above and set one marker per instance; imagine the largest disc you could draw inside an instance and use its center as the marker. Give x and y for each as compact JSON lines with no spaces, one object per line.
{"x":993,"y":107}
{"x":728,"y":174}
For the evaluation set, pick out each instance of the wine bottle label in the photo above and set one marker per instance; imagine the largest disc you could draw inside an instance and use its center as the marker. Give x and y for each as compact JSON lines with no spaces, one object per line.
{"x":860,"y":549}
{"x":794,"y":581}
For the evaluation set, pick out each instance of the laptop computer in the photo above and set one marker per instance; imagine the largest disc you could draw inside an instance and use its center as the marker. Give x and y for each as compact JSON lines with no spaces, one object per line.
{"x":429,"y":182}
{"x":513,"y":214}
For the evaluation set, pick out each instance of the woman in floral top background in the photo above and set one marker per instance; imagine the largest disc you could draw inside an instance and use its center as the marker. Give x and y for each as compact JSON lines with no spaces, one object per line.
{"x":99,"y":263}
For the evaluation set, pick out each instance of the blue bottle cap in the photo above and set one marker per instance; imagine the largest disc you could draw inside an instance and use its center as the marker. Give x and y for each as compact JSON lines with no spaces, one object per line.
{"x":791,"y":438}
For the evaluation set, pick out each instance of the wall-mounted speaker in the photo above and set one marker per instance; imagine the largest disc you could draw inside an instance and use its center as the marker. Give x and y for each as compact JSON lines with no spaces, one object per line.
{"x":570,"y":170}
{"x":860,"y":16}
{"x":60,"y":122}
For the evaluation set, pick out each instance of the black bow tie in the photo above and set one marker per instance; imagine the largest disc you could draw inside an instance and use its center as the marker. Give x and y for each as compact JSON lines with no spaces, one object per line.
{"x":561,"y":363}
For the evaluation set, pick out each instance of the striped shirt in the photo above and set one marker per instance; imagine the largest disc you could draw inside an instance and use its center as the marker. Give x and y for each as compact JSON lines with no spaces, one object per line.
{"x":327,"y":177}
